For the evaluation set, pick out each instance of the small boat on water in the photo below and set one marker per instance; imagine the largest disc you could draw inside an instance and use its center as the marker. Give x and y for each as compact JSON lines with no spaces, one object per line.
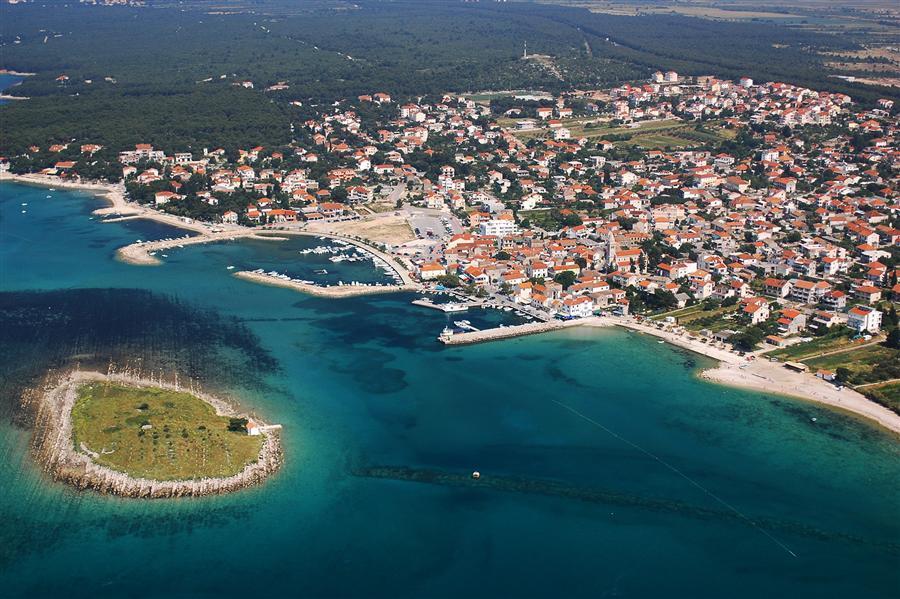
{"x":229,"y":267}
{"x":321,"y":271}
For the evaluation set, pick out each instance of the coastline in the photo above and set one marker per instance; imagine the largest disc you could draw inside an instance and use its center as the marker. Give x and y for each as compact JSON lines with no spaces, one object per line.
{"x":733,"y":370}
{"x":53,"y":447}
{"x":114,"y":194}
{"x":764,"y":376}
{"x":139,"y":253}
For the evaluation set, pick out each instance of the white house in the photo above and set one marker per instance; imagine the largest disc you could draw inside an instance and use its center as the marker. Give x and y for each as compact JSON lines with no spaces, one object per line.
{"x":578,"y":307}
{"x":864,"y":319}
{"x":498,"y":228}
{"x":431,"y":270}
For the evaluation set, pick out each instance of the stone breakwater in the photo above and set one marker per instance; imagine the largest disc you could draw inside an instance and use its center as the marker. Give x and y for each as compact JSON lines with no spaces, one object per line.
{"x":142,"y":254}
{"x":55,"y":451}
{"x":318,"y":290}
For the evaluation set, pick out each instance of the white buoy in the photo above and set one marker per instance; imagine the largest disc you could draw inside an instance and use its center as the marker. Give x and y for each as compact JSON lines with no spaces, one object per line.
{"x":476,"y":475}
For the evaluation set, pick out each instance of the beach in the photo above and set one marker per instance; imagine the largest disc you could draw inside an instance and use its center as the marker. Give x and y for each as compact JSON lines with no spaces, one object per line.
{"x":760,"y":374}
{"x":140,"y":253}
{"x":119,"y":206}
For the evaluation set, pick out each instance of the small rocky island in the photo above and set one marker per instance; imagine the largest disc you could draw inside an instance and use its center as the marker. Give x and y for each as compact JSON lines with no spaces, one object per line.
{"x":127,"y":436}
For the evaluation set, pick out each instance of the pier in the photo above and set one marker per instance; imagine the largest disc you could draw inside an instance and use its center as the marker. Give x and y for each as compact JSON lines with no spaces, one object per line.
{"x":520,"y":330}
{"x":460,"y":306}
{"x":346,"y":290}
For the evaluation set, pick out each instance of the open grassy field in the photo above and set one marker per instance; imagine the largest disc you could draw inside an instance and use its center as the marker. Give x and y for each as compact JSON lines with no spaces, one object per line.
{"x":185,"y":440}
{"x":714,"y":320}
{"x":659,"y":134}
{"x":868,"y":364}
{"x":834,"y":340}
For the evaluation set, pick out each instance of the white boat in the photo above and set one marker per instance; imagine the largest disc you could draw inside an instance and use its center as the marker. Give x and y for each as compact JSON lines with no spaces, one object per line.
{"x":230,"y":267}
{"x":453,"y":307}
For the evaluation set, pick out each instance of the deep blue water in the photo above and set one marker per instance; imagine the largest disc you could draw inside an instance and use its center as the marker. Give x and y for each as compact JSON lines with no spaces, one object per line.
{"x":647,"y":491}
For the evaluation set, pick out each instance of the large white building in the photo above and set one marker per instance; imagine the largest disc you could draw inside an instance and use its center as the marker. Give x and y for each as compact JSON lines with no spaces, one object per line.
{"x":864,"y":319}
{"x":578,"y":307}
{"x":498,"y":228}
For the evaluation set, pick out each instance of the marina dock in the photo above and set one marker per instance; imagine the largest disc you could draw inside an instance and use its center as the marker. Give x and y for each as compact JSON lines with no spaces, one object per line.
{"x":460,"y":306}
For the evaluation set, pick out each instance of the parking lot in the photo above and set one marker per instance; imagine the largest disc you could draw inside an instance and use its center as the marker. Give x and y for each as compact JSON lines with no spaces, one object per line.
{"x":439,"y":224}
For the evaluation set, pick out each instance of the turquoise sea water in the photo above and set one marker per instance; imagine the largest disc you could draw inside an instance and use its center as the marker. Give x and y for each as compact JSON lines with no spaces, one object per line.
{"x":608,"y":468}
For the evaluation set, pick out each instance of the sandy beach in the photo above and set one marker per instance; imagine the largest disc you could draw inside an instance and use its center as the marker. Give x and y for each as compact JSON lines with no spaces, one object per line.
{"x":112,"y":193}
{"x":759,"y":374}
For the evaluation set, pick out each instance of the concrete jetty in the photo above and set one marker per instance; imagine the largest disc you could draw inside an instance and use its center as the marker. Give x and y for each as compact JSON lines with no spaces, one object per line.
{"x":520,"y":330}
{"x":460,"y":306}
{"x":141,"y":253}
{"x":319,"y":290}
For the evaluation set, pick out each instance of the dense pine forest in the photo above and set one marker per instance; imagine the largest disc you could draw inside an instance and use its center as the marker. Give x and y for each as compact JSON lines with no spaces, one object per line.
{"x":169,"y":74}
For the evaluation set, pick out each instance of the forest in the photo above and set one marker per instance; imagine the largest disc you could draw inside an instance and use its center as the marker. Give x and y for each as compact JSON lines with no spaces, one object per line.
{"x":169,"y":74}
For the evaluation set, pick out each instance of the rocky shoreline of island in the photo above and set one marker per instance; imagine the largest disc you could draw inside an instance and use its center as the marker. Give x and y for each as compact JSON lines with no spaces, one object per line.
{"x":54,"y":449}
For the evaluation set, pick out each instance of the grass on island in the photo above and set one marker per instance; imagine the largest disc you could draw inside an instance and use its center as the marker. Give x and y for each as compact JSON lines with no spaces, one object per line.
{"x":186,"y":439}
